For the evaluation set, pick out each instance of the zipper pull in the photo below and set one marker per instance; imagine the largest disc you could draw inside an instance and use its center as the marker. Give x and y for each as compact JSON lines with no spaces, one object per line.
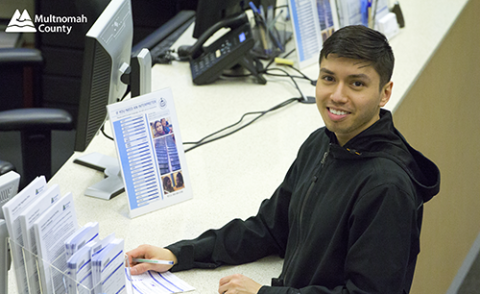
{"x":325,"y":156}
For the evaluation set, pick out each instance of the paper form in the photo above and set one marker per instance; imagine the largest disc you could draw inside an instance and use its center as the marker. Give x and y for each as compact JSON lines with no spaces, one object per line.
{"x":158,"y":283}
{"x":313,"y":22}
{"x":12,"y":210}
{"x":27,"y":218}
{"x":78,"y":240}
{"x":80,"y":271}
{"x":80,"y":264}
{"x":82,"y":236}
{"x":150,"y":151}
{"x":51,"y":230}
{"x":109,"y":269}
{"x":306,"y":30}
{"x":350,"y":12}
{"x":9,"y":183}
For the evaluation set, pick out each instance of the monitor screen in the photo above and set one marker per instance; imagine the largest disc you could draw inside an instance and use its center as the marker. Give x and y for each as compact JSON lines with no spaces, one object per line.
{"x":108,"y":46}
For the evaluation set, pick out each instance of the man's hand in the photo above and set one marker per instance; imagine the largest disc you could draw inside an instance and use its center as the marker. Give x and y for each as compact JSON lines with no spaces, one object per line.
{"x":238,"y":284}
{"x":149,"y":252}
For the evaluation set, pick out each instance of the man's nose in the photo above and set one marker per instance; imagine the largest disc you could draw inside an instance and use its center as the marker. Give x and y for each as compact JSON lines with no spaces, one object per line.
{"x":339,"y":94}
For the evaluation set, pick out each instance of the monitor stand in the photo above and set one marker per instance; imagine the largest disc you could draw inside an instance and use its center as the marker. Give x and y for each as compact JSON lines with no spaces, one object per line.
{"x":139,"y":77}
{"x":112,"y":185}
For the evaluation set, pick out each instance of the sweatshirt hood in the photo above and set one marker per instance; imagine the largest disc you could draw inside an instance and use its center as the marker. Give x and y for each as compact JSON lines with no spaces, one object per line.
{"x":382,"y":139}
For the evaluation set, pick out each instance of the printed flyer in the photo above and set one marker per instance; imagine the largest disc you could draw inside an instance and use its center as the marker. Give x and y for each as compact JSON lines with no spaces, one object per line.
{"x":150,"y":151}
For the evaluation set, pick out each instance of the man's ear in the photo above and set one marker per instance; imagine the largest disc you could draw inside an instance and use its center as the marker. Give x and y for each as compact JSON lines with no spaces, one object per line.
{"x":386,"y":93}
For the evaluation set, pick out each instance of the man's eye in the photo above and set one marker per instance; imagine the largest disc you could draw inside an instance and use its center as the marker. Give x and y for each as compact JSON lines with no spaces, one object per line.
{"x":328,"y":78}
{"x":358,"y":84}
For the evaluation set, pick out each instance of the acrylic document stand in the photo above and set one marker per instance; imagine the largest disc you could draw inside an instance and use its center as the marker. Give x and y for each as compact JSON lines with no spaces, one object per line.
{"x":4,"y":257}
{"x":41,"y":276}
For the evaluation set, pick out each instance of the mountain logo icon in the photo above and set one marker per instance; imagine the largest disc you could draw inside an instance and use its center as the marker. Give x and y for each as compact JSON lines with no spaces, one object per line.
{"x":21,"y":23}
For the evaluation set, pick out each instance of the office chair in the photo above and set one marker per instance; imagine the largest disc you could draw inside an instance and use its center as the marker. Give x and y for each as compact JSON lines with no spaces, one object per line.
{"x":34,"y":124}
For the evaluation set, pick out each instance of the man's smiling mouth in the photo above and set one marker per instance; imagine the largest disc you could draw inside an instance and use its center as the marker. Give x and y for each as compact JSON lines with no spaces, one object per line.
{"x":337,"y":111}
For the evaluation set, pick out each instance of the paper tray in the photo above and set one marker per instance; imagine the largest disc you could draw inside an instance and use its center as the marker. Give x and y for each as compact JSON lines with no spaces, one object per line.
{"x":33,"y":270}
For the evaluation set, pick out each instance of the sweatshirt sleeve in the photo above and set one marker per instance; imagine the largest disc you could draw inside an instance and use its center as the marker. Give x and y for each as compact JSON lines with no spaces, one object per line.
{"x":241,"y":241}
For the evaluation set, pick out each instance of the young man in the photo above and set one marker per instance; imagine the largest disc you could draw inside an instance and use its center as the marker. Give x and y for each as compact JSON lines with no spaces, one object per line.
{"x":347,"y":216}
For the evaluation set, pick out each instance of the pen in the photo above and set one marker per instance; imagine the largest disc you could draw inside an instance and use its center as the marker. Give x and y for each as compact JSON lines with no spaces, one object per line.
{"x":263,"y":31}
{"x":262,"y":13}
{"x":254,"y":8}
{"x":272,"y":23}
{"x":153,"y":261}
{"x":271,"y":30}
{"x":269,"y":15}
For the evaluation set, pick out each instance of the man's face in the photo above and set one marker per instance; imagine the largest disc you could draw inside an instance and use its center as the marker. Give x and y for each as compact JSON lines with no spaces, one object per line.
{"x":348,"y":96}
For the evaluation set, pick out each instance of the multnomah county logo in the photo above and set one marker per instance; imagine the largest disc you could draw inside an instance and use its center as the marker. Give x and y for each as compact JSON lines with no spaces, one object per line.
{"x":21,"y":23}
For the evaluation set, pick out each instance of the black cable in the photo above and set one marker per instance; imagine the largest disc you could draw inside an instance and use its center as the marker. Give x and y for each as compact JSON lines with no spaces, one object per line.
{"x":288,"y":75}
{"x":102,"y":129}
{"x":291,"y":51}
{"x":272,"y":60}
{"x":225,"y":128}
{"x":270,"y":74}
{"x":280,"y":6}
{"x":241,"y":119}
{"x":266,"y":71}
{"x":313,"y":82}
{"x":261,"y":113}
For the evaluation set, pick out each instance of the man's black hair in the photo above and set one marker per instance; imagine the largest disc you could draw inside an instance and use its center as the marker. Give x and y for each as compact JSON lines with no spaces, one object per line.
{"x":362,"y":43}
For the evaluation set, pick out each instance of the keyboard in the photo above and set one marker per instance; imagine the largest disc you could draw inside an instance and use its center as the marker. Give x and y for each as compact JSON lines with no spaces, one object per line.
{"x":160,"y":51}
{"x":162,"y":39}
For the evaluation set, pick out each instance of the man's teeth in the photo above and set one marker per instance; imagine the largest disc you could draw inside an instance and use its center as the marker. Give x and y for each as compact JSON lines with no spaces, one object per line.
{"x":338,"y":112}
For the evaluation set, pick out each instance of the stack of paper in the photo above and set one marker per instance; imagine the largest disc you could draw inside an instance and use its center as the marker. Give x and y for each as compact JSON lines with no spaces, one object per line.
{"x":108,"y":268}
{"x":88,"y":234}
{"x":159,"y":283}
{"x":80,"y":265}
{"x":12,"y":210}
{"x":52,"y":254}
{"x":8,"y":188}
{"x":38,"y":221}
{"x":52,"y":228}
{"x":27,"y":219}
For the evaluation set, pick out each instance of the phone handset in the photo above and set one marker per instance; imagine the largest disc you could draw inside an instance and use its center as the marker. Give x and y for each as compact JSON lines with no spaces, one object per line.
{"x":208,"y":63}
{"x":195,"y":50}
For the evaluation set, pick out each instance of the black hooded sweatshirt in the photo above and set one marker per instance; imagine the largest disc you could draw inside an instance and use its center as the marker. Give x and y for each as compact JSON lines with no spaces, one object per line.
{"x":345,"y":219}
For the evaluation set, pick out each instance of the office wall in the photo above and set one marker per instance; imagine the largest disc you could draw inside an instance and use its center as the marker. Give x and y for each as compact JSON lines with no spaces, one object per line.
{"x":7,"y":7}
{"x":440,"y":117}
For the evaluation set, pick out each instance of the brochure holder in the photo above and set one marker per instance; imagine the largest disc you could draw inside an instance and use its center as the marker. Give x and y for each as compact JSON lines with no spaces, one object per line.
{"x":4,"y":257}
{"x":55,"y":274}
{"x":270,"y":39}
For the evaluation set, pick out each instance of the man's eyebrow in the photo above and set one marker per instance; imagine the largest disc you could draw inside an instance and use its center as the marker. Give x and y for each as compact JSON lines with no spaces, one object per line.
{"x":324,"y":70}
{"x":360,"y":76}
{"x":354,"y":76}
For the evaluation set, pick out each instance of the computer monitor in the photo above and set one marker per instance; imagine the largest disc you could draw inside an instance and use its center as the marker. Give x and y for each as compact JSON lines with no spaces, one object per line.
{"x":108,"y":70}
{"x":108,"y":45}
{"x":209,"y":12}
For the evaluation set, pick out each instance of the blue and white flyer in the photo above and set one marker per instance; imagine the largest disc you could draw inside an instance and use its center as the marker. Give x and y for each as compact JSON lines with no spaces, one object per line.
{"x":150,"y":151}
